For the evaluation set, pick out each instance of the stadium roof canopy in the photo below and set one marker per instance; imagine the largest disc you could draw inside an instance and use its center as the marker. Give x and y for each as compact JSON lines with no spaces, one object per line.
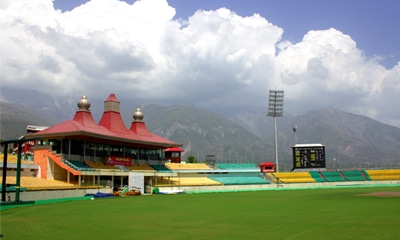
{"x":111,"y":128}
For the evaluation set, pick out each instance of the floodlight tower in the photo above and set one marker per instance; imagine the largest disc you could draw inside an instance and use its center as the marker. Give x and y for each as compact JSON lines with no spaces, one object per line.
{"x":275,"y":109}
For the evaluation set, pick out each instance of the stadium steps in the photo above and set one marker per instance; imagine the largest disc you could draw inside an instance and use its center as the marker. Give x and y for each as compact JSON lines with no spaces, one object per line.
{"x":269,"y":178}
{"x":60,"y":162}
{"x":317,"y":176}
{"x":366,"y":176}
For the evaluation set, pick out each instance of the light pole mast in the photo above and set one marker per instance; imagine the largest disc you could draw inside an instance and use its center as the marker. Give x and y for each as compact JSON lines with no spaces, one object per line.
{"x":275,"y":109}
{"x":294,"y":128}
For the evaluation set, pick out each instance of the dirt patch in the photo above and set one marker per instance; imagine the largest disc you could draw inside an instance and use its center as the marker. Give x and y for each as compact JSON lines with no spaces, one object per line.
{"x":382,"y":194}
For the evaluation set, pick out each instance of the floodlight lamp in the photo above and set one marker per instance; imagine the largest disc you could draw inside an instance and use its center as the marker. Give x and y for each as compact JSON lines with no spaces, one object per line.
{"x":275,"y":105}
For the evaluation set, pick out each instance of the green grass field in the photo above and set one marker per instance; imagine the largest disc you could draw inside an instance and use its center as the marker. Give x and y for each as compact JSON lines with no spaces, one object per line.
{"x":343,"y":213}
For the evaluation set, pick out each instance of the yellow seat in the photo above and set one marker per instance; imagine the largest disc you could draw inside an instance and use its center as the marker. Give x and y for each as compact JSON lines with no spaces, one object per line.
{"x":384,"y":174}
{"x":33,"y":183}
{"x":293,"y":177}
{"x":187,"y":166}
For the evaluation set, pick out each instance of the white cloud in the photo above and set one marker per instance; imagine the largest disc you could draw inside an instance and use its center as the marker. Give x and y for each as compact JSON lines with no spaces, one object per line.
{"x":327,"y":69}
{"x":214,"y":58}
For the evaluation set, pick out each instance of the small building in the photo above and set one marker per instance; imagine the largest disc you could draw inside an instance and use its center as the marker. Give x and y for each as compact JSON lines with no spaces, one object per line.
{"x":267,"y":167}
{"x":173,"y":154}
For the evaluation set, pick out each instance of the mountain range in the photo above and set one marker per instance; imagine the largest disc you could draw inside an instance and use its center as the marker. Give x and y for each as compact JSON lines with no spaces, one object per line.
{"x":351,"y":140}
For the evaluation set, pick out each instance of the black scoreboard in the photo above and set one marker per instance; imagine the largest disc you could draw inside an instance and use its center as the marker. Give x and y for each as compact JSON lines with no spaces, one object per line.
{"x":308,"y":156}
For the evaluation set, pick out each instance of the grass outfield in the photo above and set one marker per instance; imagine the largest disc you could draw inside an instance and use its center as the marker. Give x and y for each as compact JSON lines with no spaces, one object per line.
{"x":345,"y":213}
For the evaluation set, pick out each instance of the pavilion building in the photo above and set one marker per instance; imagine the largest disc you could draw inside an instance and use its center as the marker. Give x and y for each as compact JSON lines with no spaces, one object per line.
{"x":80,"y":151}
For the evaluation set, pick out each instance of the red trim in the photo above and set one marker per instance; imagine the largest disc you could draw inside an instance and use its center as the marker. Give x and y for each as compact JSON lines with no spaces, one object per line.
{"x":174,"y":149}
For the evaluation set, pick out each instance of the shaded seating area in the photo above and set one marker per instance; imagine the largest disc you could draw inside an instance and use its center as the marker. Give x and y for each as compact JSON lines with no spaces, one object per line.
{"x":292,"y":177}
{"x":77,"y":165}
{"x":140,"y":167}
{"x":384,"y":174}
{"x":353,"y":175}
{"x":101,"y":166}
{"x":160,"y":168}
{"x":247,"y":180}
{"x":237,"y":166}
{"x":187,"y":166}
{"x":32,"y":183}
{"x":365,"y":174}
{"x":333,"y":176}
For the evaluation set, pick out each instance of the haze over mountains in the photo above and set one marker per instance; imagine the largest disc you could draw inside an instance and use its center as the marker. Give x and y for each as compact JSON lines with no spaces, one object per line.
{"x":352,"y":140}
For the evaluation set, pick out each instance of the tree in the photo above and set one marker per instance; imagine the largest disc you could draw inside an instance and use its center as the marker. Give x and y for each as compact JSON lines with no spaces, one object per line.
{"x":192,"y":159}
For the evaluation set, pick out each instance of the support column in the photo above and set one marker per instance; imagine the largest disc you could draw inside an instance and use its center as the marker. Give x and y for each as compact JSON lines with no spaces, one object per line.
{"x":69,"y":149}
{"x":18,"y":180}
{"x":3,"y":184}
{"x":276,"y":145}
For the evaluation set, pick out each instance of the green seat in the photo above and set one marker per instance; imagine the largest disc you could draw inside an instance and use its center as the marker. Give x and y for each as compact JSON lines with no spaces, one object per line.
{"x":235,"y":166}
{"x":248,"y":180}
{"x":317,"y":177}
{"x":333,"y":177}
{"x":353,"y":175}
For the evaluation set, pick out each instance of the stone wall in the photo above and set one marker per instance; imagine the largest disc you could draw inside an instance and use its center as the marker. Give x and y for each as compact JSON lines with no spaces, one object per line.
{"x":54,"y":194}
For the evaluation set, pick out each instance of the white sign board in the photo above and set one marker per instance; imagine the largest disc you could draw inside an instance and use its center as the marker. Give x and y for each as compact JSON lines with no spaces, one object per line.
{"x":136,"y":181}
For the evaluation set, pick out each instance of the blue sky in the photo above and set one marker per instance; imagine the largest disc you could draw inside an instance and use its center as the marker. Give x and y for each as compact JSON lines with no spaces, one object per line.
{"x":217,"y":55}
{"x":372,"y":24}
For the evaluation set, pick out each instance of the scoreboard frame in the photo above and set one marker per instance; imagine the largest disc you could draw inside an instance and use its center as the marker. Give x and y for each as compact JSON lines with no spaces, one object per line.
{"x":306,"y":156}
